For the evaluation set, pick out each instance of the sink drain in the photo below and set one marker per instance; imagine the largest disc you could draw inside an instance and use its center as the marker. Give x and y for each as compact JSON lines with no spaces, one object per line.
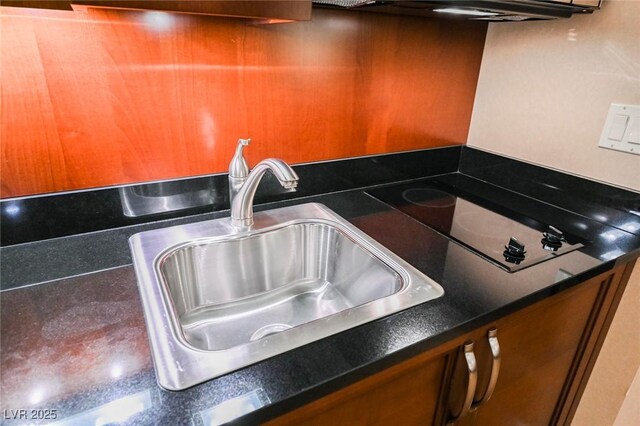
{"x":269,"y":329}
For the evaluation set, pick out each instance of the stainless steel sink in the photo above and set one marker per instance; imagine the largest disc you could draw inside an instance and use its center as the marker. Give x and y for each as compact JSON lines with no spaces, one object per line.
{"x":216,"y":299}
{"x":233,"y":291}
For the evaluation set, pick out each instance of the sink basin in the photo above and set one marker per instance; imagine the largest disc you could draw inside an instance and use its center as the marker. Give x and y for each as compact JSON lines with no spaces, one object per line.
{"x":269,"y":281}
{"x":216,"y":300}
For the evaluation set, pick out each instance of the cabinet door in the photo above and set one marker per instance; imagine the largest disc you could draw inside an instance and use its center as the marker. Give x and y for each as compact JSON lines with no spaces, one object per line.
{"x":539,"y":346}
{"x":407,"y":394}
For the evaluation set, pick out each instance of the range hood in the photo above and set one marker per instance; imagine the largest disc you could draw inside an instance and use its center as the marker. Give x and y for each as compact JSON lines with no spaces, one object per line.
{"x":478,"y":10}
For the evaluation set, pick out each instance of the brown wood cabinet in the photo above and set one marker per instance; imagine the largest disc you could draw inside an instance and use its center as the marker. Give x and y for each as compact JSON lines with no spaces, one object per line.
{"x":536,"y":361}
{"x":272,"y":11}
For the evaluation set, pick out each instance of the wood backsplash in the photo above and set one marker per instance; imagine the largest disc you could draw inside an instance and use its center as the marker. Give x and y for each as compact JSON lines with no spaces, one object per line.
{"x":110,"y":97}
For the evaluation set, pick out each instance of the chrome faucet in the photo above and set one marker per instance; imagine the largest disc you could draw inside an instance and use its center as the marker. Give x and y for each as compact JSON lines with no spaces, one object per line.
{"x":242,"y":199}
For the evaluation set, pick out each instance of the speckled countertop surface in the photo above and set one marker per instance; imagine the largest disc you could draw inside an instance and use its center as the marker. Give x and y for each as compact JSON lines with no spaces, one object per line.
{"x":78,"y":346}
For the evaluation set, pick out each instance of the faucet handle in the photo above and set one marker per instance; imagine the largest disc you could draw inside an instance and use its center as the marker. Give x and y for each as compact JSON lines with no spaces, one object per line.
{"x":238,"y":168}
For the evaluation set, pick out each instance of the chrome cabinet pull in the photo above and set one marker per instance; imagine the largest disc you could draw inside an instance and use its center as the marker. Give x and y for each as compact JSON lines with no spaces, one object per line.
{"x":472,"y":375}
{"x":492,"y":337}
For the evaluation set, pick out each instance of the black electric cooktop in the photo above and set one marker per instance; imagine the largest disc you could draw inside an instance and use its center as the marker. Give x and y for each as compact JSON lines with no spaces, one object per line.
{"x":507,"y":239}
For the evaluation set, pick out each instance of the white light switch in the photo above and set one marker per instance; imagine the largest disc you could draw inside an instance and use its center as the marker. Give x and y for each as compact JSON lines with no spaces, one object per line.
{"x":618,"y":127}
{"x":634,"y":131}
{"x":621,"y":130}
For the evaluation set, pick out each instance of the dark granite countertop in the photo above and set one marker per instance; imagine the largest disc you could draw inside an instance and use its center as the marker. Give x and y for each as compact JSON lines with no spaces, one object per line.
{"x":79,"y":345}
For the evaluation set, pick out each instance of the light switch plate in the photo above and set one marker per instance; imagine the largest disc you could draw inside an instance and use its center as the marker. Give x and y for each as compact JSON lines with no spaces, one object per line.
{"x":621,"y":129}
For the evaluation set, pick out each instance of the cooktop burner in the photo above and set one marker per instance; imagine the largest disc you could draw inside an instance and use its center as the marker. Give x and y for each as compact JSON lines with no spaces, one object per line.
{"x":511,"y":241}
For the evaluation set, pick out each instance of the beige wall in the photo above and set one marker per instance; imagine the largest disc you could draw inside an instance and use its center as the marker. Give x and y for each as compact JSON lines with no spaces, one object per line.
{"x":545,"y":89}
{"x":629,"y":413}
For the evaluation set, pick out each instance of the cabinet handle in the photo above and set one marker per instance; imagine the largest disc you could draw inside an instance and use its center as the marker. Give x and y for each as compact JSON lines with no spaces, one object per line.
{"x":492,"y":337}
{"x":472,"y":374}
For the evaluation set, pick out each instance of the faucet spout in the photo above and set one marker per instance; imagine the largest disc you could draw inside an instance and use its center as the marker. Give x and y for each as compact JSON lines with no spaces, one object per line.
{"x":242,"y":205}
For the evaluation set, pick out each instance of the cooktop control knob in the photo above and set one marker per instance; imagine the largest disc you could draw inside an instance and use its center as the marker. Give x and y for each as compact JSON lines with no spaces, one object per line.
{"x":514,"y":251}
{"x":552,"y":239}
